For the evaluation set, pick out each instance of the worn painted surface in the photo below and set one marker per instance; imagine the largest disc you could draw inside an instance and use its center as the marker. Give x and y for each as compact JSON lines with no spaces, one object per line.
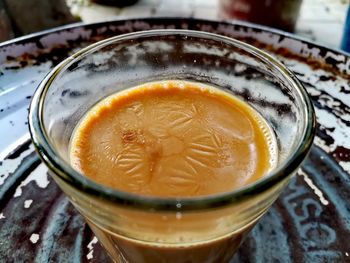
{"x":310,"y":222}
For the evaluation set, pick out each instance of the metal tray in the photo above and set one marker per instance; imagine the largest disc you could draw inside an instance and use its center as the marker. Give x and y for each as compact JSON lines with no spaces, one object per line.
{"x":310,"y":222}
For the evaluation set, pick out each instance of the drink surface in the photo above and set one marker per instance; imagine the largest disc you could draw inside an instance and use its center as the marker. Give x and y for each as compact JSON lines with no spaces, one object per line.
{"x":173,"y":139}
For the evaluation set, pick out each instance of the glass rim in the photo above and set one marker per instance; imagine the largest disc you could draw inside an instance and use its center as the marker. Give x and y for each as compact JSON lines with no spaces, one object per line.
{"x":66,"y":173}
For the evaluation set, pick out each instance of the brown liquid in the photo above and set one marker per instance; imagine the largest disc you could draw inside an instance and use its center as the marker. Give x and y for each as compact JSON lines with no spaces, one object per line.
{"x":173,"y":139}
{"x":124,"y":250}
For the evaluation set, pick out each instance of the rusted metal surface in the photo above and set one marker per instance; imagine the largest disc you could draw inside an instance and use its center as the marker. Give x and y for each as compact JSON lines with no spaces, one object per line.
{"x":310,"y":222}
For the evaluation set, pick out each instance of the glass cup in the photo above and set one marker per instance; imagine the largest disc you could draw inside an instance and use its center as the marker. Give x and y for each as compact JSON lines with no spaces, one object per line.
{"x":135,"y":228}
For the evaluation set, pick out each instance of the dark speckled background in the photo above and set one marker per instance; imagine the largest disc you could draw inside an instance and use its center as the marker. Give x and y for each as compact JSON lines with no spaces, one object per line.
{"x":310,"y":222}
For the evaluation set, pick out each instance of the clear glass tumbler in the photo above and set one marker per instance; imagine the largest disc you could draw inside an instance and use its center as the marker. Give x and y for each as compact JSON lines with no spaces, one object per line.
{"x":135,"y":228}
